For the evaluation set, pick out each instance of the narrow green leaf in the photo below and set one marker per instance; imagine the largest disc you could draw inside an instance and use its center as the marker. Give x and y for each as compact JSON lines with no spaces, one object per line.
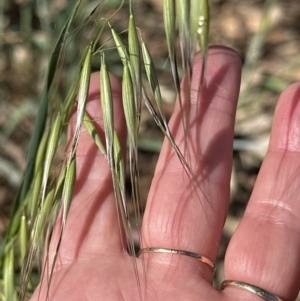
{"x":94,"y":133}
{"x":70,"y":100}
{"x":67,"y":195}
{"x":60,"y":182}
{"x":133,"y":83}
{"x":107,"y":109}
{"x":23,"y":239}
{"x":183,"y":17}
{"x":51,"y":150}
{"x":36,"y":241}
{"x":170,"y":26}
{"x":132,"y":60}
{"x":170,"y":29}
{"x":134,"y":48}
{"x":119,"y":174}
{"x":43,"y":110}
{"x":131,"y":122}
{"x":38,"y":176}
{"x":8,"y":275}
{"x":68,"y":188}
{"x":82,"y":97}
{"x":129,"y":105}
{"x":43,"y":218}
{"x":135,"y":66}
{"x":152,"y":79}
{"x":203,"y":32}
{"x":122,"y":50}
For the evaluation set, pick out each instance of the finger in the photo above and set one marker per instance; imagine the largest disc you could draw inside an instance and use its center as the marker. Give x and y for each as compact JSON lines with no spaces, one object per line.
{"x":92,"y":225}
{"x":265,"y":250}
{"x":178,"y":214}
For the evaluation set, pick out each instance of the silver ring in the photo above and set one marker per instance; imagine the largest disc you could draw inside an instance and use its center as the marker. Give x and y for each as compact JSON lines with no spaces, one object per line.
{"x":265,"y":295}
{"x":197,"y":256}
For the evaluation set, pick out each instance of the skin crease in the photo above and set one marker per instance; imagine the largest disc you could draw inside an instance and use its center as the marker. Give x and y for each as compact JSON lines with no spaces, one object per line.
{"x":264,"y":251}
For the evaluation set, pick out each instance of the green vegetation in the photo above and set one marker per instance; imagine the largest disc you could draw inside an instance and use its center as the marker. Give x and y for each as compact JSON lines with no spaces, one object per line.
{"x":63,"y":45}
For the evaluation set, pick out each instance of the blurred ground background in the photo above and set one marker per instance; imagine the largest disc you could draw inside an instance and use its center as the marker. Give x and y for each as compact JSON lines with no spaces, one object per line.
{"x":265,"y":33}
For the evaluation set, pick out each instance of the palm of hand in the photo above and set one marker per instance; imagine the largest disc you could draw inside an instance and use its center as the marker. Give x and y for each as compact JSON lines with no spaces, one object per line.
{"x":112,"y":278}
{"x":92,"y":264}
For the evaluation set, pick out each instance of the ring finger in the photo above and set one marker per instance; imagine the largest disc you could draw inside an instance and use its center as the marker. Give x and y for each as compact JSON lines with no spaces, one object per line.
{"x":189,"y":214}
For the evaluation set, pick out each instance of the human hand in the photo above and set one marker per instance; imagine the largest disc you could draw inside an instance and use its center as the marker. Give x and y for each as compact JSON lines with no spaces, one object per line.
{"x":264,"y":251}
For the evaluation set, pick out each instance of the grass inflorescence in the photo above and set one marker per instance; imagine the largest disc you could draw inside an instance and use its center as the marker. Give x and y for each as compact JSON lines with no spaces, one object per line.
{"x":47,"y":189}
{"x":43,"y":189}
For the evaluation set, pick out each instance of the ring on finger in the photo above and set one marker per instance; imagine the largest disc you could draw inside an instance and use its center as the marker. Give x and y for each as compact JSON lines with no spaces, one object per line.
{"x":197,"y":256}
{"x":265,"y":295}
